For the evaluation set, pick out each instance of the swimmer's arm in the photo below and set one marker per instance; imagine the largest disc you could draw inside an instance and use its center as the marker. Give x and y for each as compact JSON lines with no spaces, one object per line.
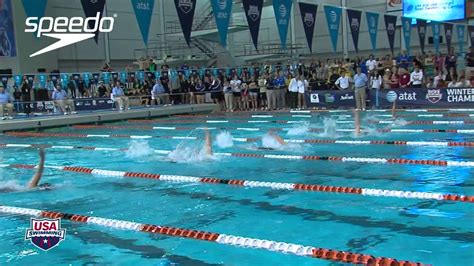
{"x":280,"y":140}
{"x":208,"y":143}
{"x":39,"y":172}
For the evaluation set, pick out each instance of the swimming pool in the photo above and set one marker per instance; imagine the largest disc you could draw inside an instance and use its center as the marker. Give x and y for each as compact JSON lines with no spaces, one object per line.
{"x":403,"y":156}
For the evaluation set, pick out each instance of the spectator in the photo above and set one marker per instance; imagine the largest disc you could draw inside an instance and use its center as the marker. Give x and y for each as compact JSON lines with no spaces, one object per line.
{"x":429,"y":65}
{"x":280,"y":91}
{"x":192,"y":90}
{"x":262,"y":85}
{"x":5,"y":103}
{"x":404,"y":78}
{"x":313,"y":82}
{"x":403,"y":60}
{"x":60,"y":99}
{"x":462,"y":82}
{"x":157,"y":93}
{"x":439,"y":80}
{"x":395,"y":78}
{"x":451,"y":60}
{"x":72,"y":87}
{"x":293,"y":88}
{"x":102,"y":90}
{"x":26,"y":95}
{"x":301,"y":93}
{"x":376,"y":81}
{"x":469,"y":63}
{"x":371,"y":64}
{"x":452,"y":75}
{"x":119,"y":97}
{"x":228,"y":97}
{"x":200,"y":91}
{"x":216,"y":92}
{"x":332,"y":80}
{"x":253,"y":91}
{"x":386,"y":79}
{"x":416,"y":77}
{"x":244,"y":95}
{"x":360,"y":83}
{"x":343,"y":82}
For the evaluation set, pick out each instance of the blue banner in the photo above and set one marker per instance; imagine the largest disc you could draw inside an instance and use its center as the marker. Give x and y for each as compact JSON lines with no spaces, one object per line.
{"x":42,"y":80}
{"x":282,"y":10}
{"x":460,"y":29}
{"x":7,"y":41}
{"x":333,"y":18}
{"x":87,"y":78}
{"x":185,"y":10}
{"x":372,"y":24}
{"x":421,"y":25}
{"x":123,"y":77}
{"x":448,"y":33}
{"x":222,"y":10}
{"x":390,"y":27}
{"x":91,"y":8}
{"x":436,"y":29}
{"x":64,"y":79}
{"x":143,"y":12}
{"x":106,"y":77}
{"x":141,"y":76}
{"x":308,"y":16}
{"x":406,"y":29}
{"x":34,"y":8}
{"x":157,"y":74}
{"x":354,"y":17}
{"x":17,"y":79}
{"x":253,"y":12}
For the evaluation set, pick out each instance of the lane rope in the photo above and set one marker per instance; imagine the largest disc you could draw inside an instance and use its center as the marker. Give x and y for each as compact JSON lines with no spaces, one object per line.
{"x":84,"y":127}
{"x":258,"y":184}
{"x":224,"y":239}
{"x":309,"y":141}
{"x":275,"y":115}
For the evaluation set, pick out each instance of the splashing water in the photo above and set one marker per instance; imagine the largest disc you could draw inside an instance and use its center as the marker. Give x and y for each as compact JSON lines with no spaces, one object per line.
{"x":10,"y":186}
{"x":330,"y":129}
{"x":139,"y":149}
{"x":269,"y":141}
{"x":300,"y":129}
{"x":190,"y":152}
{"x":399,"y":122}
{"x":224,"y":140}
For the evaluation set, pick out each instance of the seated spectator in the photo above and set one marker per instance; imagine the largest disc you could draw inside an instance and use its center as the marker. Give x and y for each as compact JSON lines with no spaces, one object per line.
{"x":157,"y":93}
{"x":416,"y":77}
{"x":386,"y":79}
{"x":119,"y":96}
{"x":102,"y":90}
{"x":5,"y":103}
{"x":60,"y":99}
{"x":332,"y":80}
{"x":452,"y":75}
{"x":404,"y":78}
{"x":438,"y":81}
{"x":462,"y":82}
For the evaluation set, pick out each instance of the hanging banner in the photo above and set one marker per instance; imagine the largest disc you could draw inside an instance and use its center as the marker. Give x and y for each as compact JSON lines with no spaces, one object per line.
{"x":106,"y":77}
{"x":436,"y":29}
{"x":7,"y":41}
{"x":87,"y":78}
{"x":460,"y":29}
{"x":333,"y":18}
{"x":143,"y":12}
{"x":354,"y":17}
{"x":34,"y":8}
{"x":448,"y":33}
{"x":222,"y":10}
{"x":421,"y":25}
{"x":64,"y":79}
{"x":141,"y":76}
{"x":282,"y":9}
{"x":123,"y":77}
{"x":390,"y":23}
{"x":470,"y":30}
{"x":91,"y":8}
{"x":253,"y":12}
{"x":406,"y":29}
{"x":372,"y":24}
{"x":185,"y":10}
{"x":42,"y":80}
{"x":17,"y":79}
{"x":308,"y":16}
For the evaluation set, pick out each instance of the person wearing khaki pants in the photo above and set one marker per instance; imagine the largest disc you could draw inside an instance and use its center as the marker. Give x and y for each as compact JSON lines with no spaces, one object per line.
{"x":119,"y":96}
{"x":59,"y":96}
{"x":5,"y":103}
{"x":228,"y":97}
{"x":360,"y":83}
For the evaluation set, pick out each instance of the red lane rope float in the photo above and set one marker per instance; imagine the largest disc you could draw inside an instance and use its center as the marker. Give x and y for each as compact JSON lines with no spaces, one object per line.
{"x":310,"y":141}
{"x":84,"y":127}
{"x":308,"y":115}
{"x":296,"y":157}
{"x":224,"y":239}
{"x":257,"y":184}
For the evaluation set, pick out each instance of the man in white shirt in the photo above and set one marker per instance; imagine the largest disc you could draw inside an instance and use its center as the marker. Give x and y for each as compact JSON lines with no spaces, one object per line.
{"x":344,"y":82}
{"x":416,"y":77}
{"x":371,"y":64}
{"x":235,"y":84}
{"x":295,"y":85}
{"x":119,"y":96}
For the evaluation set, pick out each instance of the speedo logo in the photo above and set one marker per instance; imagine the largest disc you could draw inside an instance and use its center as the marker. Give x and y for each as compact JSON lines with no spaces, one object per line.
{"x":67,"y":30}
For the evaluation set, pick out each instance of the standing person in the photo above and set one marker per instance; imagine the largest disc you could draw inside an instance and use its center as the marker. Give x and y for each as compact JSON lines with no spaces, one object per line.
{"x":271,"y":93}
{"x":5,"y":103}
{"x":119,"y":96}
{"x":301,"y":93}
{"x":343,"y":82}
{"x":49,"y":88}
{"x":451,"y":60}
{"x":200,"y":91}
{"x":72,"y":87}
{"x":253,"y":91}
{"x":371,"y":64}
{"x":386,"y":79}
{"x":280,"y":91}
{"x":360,"y":83}
{"x":102,"y":90}
{"x":244,"y":94}
{"x":262,"y":85}
{"x":293,"y":90}
{"x":235,"y":85}
{"x":26,"y":95}
{"x":60,"y":98}
{"x":416,"y":77}
{"x":376,"y":81}
{"x":404,"y":78}
{"x":469,"y":63}
{"x":192,"y":90}
{"x":165,"y":82}
{"x":216,"y":92}
{"x":228,"y":97}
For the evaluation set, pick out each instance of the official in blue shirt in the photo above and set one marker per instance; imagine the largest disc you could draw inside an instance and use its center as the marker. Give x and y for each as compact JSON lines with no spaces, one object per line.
{"x":119,"y":96}
{"x":360,"y":84}
{"x":280,"y":87}
{"x":59,"y":96}
{"x":157,"y":92}
{"x":5,"y":103}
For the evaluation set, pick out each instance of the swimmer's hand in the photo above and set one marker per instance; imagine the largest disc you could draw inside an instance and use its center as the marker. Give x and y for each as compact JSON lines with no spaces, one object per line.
{"x":37,"y":177}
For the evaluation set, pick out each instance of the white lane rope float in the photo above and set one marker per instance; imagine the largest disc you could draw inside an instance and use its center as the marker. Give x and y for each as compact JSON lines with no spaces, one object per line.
{"x":223,"y":239}
{"x":258,"y":184}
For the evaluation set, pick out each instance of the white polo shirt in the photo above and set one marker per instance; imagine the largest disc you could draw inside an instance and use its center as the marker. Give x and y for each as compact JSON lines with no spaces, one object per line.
{"x":343,"y":82}
{"x":416,"y":78}
{"x":371,"y":64}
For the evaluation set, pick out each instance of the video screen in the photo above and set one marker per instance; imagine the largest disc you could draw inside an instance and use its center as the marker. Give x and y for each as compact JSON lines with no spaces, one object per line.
{"x":438,"y":10}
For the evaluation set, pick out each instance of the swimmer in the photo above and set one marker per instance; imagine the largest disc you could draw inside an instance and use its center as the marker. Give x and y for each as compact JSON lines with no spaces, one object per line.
{"x":268,"y":147}
{"x":276,"y":137}
{"x":208,"y":143}
{"x":34,"y":182}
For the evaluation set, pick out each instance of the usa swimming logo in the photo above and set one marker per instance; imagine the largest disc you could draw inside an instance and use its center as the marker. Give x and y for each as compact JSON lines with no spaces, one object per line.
{"x":434,"y":96}
{"x":45,"y":234}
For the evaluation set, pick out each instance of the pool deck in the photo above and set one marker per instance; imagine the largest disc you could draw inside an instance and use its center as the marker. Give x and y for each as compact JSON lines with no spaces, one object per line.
{"x":102,"y":116}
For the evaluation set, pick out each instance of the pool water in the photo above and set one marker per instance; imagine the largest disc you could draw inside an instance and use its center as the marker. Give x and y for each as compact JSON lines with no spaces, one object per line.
{"x":427,"y":231}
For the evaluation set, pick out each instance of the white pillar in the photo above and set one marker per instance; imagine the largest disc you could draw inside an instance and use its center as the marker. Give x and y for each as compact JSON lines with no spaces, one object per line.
{"x":344,"y":29}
